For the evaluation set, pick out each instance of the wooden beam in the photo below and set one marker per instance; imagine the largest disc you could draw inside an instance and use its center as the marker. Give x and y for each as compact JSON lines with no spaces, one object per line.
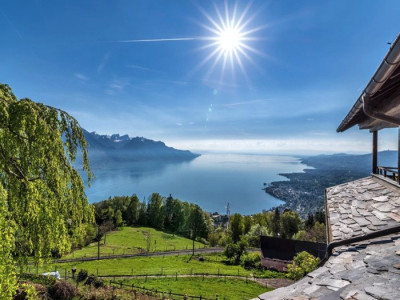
{"x":374,"y":152}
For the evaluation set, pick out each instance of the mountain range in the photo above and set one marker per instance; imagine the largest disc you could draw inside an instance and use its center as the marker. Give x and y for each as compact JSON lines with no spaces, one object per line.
{"x":120,"y":148}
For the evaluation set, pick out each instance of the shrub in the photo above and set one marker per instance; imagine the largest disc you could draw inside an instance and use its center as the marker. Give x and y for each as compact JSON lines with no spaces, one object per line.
{"x":25,"y":292}
{"x":62,"y":290}
{"x":93,"y":280}
{"x":251,"y":261}
{"x":235,"y":251}
{"x":303,"y":263}
{"x":82,"y":275}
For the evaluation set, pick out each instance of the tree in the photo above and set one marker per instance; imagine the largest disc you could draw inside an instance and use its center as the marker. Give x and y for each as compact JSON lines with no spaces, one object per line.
{"x":303,"y":263}
{"x":253,"y":236}
{"x":8,"y":282}
{"x":290,"y":224}
{"x":168,"y":212}
{"x":309,"y":222}
{"x":197,"y":224}
{"x":275,"y":226}
{"x":178,"y":218}
{"x":247,"y":222}
{"x":236,"y":227}
{"x":132,"y":211}
{"x":118,"y":221}
{"x":234,"y":251}
{"x":45,"y":199}
{"x":154,"y":211}
{"x":320,"y":216}
{"x":142,"y":215}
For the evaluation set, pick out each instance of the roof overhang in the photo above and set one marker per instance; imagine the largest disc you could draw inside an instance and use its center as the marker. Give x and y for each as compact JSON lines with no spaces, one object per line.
{"x":383,"y":94}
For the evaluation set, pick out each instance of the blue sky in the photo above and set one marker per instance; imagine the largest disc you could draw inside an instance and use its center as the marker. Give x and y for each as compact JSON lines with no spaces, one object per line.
{"x":308,"y":61}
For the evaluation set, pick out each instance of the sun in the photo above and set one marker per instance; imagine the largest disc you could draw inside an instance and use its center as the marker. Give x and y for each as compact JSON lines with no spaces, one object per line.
{"x":232,"y":38}
{"x":229,"y":40}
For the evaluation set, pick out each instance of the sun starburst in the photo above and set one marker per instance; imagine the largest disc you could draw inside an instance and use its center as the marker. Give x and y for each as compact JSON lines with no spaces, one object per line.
{"x":231,"y":34}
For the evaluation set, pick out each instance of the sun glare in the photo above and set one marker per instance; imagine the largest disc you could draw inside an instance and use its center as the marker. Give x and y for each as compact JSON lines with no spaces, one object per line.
{"x":231,"y":35}
{"x":229,"y":40}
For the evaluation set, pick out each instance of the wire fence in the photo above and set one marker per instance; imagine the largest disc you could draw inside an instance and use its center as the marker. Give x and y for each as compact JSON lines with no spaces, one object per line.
{"x":159,"y":293}
{"x":240,"y":274}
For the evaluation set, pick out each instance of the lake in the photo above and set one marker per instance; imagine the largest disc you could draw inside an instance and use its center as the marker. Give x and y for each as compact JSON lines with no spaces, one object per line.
{"x":211,"y":180}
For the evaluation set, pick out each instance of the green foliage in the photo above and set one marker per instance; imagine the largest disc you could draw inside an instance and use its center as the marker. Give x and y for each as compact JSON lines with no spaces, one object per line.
{"x":309,"y":222}
{"x":214,"y":238}
{"x":160,"y":213}
{"x":251,"y":261}
{"x":197,"y":223}
{"x":236,"y":227}
{"x":82,"y":275}
{"x":303,"y":263}
{"x":45,"y":204}
{"x":247,"y":223}
{"x":275,"y":224}
{"x":234,"y":251}
{"x":155,"y":211}
{"x":290,"y":224}
{"x":8,"y":280}
{"x":253,"y":236}
{"x":94,"y":281}
{"x":29,"y":291}
{"x":315,"y":234}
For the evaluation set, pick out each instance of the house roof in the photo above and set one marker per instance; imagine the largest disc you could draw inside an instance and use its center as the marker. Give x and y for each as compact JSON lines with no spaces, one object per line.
{"x":361,"y":207}
{"x":364,"y":270}
{"x":383,"y":91}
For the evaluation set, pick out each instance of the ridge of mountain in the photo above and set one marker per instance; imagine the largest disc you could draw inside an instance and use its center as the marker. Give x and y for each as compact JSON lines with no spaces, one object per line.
{"x":118,"y":147}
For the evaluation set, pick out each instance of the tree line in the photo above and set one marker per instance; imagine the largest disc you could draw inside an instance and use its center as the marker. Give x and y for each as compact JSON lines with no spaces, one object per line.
{"x":163,"y":213}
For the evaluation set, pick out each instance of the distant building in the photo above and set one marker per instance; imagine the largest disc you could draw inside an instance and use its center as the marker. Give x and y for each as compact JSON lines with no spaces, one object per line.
{"x":363,"y":216}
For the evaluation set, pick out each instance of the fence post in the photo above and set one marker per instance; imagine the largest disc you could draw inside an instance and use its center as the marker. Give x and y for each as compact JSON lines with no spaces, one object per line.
{"x":216,"y":296}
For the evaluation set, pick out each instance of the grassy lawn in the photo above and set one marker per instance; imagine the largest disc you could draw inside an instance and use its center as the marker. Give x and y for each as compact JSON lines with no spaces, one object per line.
{"x":212,"y":264}
{"x":232,"y":289}
{"x":131,"y":240}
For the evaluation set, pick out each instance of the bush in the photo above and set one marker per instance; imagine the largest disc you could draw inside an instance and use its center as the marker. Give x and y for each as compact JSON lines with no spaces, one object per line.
{"x":62,"y":290}
{"x":303,"y":263}
{"x":235,"y":251}
{"x":82,"y":275}
{"x":93,"y":280}
{"x":251,"y":261}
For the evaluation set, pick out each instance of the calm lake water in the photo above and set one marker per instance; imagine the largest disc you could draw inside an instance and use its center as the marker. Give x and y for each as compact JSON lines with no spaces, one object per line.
{"x":211,"y":180}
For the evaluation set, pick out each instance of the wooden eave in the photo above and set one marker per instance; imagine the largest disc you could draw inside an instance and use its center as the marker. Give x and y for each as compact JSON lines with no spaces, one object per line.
{"x":383,"y":91}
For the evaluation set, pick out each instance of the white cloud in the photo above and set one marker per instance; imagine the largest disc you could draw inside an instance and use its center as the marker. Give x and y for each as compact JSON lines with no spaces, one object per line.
{"x":306,"y":146}
{"x":81,"y":76}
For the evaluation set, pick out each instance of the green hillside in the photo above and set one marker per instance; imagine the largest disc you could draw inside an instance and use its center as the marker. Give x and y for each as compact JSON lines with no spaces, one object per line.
{"x":131,"y":240}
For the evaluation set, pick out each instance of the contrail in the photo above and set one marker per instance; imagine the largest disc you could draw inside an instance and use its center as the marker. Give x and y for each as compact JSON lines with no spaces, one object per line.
{"x":158,"y":40}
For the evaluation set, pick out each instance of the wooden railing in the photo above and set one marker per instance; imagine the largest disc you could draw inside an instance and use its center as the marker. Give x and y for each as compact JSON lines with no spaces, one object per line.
{"x":389,"y":172}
